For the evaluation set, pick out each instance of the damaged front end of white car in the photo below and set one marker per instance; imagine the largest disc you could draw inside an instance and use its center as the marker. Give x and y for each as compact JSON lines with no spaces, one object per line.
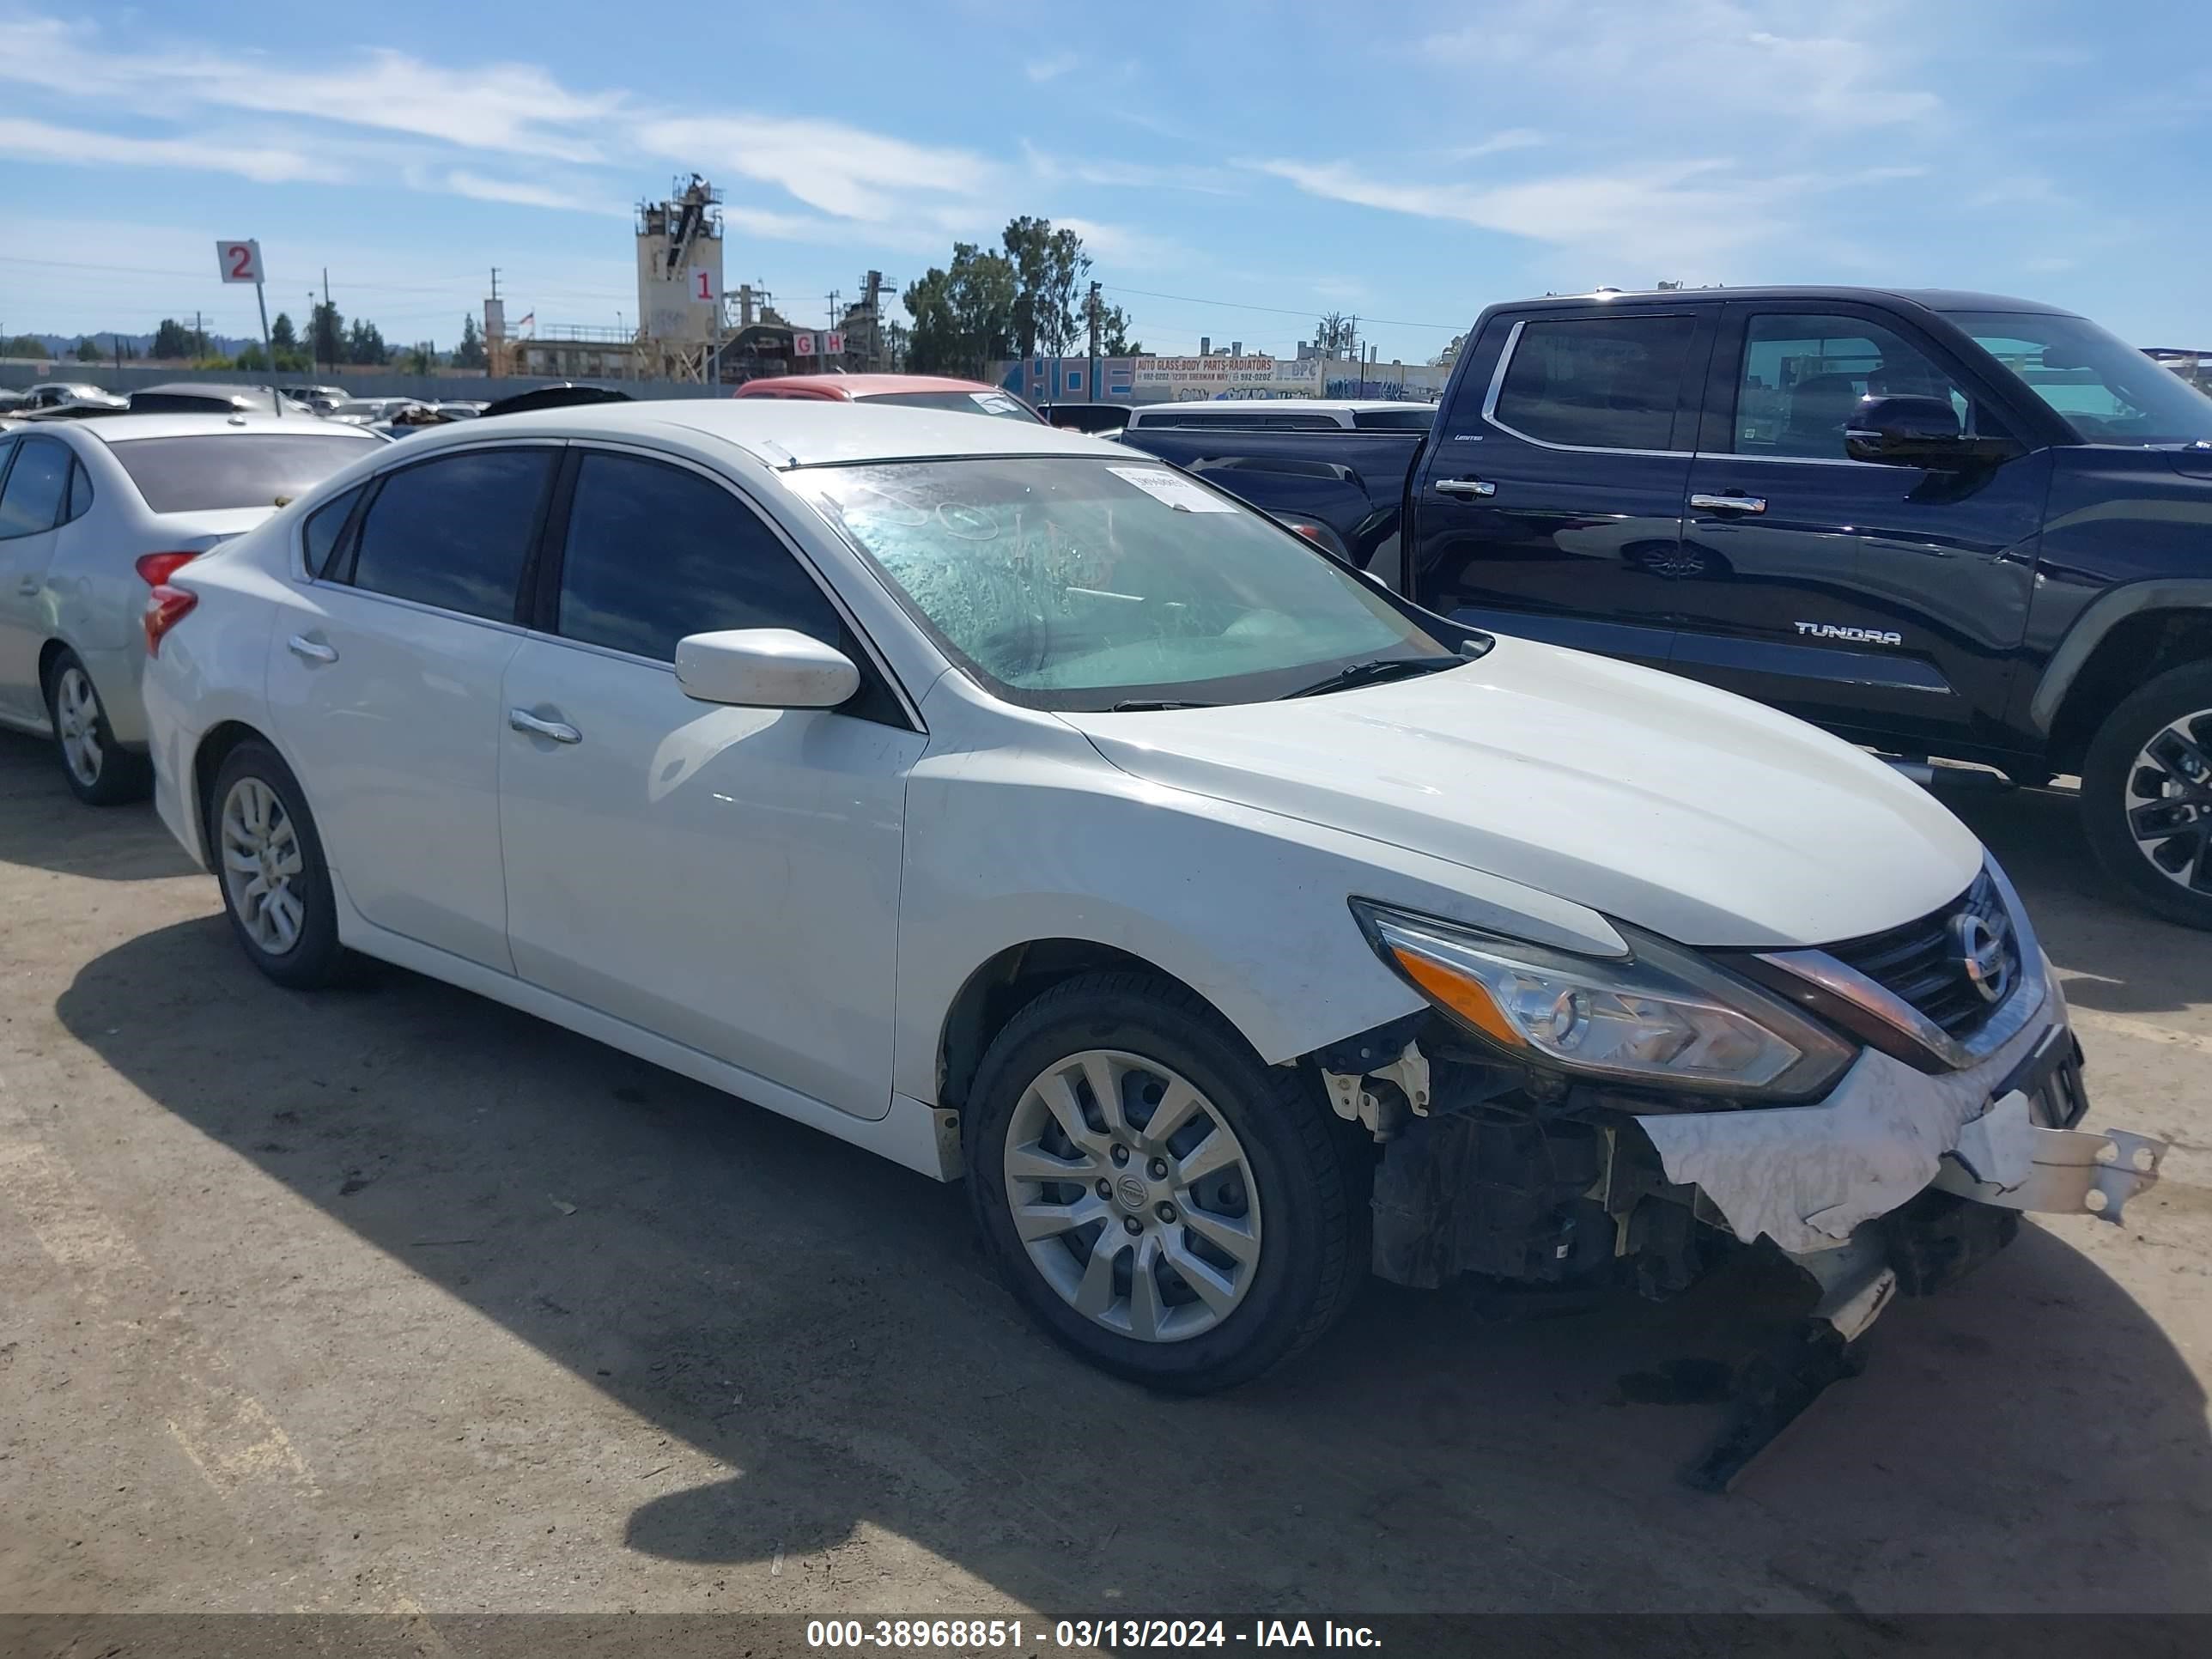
{"x":1880,"y":1112}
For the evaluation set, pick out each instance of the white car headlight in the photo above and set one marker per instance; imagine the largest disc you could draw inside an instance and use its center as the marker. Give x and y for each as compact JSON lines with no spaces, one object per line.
{"x":1660,"y":1016}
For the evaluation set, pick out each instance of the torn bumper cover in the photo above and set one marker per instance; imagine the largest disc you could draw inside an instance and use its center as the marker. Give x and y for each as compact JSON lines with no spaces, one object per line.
{"x":1810,"y":1177}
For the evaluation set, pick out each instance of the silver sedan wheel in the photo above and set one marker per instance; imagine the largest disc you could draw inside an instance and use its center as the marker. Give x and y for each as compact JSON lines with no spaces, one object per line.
{"x":260,"y":859}
{"x":2169,"y":801}
{"x":76,"y":723}
{"x":1133,"y":1196}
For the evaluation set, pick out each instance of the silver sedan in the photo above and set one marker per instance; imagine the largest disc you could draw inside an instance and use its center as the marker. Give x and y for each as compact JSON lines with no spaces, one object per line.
{"x":93,"y":515}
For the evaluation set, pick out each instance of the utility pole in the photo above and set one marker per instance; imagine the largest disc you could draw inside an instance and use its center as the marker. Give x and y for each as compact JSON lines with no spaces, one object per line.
{"x":823,"y":359}
{"x":1093,"y":307}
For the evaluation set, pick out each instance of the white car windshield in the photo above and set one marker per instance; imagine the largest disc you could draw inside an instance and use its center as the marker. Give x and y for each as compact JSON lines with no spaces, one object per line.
{"x":1081,"y":584}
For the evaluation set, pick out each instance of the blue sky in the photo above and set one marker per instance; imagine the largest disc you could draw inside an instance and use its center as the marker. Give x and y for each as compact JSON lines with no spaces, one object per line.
{"x":1410,"y":163}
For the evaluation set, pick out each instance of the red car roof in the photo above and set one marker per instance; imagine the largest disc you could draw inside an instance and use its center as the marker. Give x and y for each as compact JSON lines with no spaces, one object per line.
{"x":852,"y":388}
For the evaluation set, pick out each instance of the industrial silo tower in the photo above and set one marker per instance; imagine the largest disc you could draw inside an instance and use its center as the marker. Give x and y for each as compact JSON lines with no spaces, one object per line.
{"x":679,"y":281}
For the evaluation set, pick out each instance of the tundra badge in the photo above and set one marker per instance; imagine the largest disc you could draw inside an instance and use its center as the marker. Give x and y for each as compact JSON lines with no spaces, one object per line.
{"x":1863,"y":635}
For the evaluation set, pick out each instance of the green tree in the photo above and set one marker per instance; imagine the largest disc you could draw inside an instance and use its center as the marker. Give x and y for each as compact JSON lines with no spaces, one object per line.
{"x":365,"y":344}
{"x":172,"y":339}
{"x":1114,"y":339}
{"x":23,"y":345}
{"x":282,"y":336}
{"x":423,"y":357}
{"x":1049,"y":267}
{"x":469,"y":354}
{"x":88,"y":351}
{"x":326,"y":334}
{"x":963,"y":314}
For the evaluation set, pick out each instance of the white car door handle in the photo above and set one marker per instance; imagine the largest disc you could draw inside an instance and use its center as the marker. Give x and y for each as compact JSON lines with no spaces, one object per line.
{"x":1465,"y":487}
{"x":27,"y":585}
{"x":312,"y":650}
{"x":523,"y":721}
{"x":1729,"y":503}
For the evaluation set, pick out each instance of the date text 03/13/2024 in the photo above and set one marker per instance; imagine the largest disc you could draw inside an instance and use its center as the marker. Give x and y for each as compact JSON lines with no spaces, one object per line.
{"x":1098,"y":1635}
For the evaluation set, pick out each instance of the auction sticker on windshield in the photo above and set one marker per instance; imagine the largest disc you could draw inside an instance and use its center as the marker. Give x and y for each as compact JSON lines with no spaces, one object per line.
{"x":1165,"y":486}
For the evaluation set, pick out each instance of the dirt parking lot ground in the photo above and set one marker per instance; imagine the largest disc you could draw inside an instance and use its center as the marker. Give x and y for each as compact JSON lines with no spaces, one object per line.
{"x":391,"y":1299}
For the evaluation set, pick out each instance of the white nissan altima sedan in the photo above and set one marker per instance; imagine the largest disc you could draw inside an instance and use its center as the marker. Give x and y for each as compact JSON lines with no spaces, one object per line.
{"x":1020,"y":808}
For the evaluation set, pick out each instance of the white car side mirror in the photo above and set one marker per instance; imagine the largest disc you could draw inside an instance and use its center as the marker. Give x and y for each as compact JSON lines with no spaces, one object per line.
{"x":764,"y":668}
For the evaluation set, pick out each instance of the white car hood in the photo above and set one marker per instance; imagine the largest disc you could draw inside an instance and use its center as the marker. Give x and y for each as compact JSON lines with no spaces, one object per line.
{"x":1695,"y":814}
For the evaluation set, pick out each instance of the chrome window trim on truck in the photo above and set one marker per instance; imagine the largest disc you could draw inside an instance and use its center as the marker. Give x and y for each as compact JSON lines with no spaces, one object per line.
{"x":1498,"y":383}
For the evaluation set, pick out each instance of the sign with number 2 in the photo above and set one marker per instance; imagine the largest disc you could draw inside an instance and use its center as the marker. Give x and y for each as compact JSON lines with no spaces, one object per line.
{"x":240,"y":261}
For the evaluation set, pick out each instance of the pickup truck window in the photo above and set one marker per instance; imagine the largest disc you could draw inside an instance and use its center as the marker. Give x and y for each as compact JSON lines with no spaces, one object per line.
{"x":1595,"y":382}
{"x":1802,"y":374}
{"x":2106,"y":390}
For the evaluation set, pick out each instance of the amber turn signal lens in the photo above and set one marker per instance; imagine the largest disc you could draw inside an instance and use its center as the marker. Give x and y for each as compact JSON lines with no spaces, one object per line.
{"x":1463,"y":995}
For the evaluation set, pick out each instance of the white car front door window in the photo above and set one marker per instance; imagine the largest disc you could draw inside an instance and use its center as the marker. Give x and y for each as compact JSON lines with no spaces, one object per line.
{"x":384,"y":676}
{"x":725,"y":878}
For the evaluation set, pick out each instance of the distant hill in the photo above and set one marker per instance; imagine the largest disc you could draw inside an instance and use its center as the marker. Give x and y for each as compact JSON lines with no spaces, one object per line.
{"x":64,"y":345}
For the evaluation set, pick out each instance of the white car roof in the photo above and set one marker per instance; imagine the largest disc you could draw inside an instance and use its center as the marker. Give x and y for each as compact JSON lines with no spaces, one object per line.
{"x":121,"y":428}
{"x":784,"y":432}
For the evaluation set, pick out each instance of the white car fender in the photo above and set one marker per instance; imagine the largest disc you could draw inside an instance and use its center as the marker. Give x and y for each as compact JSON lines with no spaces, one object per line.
{"x":210,"y":671}
{"x":1247,"y":908}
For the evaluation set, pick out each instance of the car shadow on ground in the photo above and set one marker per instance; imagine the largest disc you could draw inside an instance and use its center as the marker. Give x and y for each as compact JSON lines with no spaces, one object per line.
{"x":2122,"y":960}
{"x":824,"y":1322}
{"x":47,"y":828}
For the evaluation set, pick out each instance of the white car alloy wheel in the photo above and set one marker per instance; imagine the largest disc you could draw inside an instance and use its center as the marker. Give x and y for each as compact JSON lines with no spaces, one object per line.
{"x":1133,"y":1196}
{"x":260,"y":859}
{"x":76,"y":724}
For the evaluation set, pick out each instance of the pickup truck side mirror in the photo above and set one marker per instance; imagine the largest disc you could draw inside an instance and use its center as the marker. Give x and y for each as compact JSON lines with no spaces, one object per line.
{"x":1903,"y":430}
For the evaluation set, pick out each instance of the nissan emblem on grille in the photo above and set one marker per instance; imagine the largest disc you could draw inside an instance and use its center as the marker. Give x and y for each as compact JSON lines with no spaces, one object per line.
{"x":1982,"y":956}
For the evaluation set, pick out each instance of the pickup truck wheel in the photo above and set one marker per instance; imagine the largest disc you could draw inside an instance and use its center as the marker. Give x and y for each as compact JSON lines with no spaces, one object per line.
{"x":2147,"y":795}
{"x":1165,"y":1205}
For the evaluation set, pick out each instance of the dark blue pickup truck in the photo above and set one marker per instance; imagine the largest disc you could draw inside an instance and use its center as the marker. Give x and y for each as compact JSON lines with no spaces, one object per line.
{"x":1333,"y":471}
{"x":1940,"y":523}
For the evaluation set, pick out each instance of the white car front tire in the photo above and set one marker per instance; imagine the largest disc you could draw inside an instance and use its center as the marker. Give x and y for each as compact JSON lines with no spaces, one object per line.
{"x":1165,"y":1204}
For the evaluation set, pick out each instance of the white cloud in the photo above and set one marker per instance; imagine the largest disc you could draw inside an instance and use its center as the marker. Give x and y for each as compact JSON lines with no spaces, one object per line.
{"x":1654,"y":212}
{"x":1497,"y":143}
{"x":1119,"y":245}
{"x":521,"y":193}
{"x":1052,"y":68}
{"x":1678,"y":216}
{"x":1126,"y":175}
{"x":40,"y":141}
{"x":514,"y":134}
{"x":836,"y":169}
{"x":516,"y":107}
{"x":1705,"y":63}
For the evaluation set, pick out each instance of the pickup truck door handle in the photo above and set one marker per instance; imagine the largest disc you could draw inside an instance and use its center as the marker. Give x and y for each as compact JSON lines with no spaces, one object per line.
{"x":1729,"y":503}
{"x":1464,"y":487}
{"x":310,"y":650}
{"x":523,"y":721}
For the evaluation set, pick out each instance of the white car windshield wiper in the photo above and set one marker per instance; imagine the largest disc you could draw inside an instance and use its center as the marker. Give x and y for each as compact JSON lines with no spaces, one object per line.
{"x":1367,"y":673}
{"x":1149,"y":705}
